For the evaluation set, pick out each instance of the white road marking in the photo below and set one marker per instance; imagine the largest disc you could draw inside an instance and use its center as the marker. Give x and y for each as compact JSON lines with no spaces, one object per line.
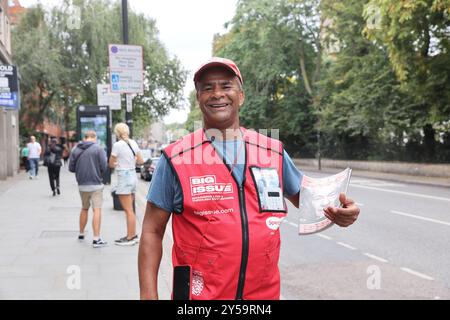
{"x":375,"y":257}
{"x":346,"y":245}
{"x":405,"y":193}
{"x":324,"y":236}
{"x":417,"y":274}
{"x":375,"y":183}
{"x":420,"y":218}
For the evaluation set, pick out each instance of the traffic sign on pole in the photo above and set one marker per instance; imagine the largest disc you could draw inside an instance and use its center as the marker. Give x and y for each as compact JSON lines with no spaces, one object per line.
{"x":129,"y":103}
{"x":126,"y":67}
{"x":107,"y":98}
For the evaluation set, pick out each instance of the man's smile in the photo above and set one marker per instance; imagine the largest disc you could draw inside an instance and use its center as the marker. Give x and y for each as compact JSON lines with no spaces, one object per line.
{"x":217,"y":105}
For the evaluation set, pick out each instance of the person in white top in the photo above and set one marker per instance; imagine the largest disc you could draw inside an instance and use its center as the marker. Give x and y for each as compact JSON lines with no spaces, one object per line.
{"x":124,"y":156}
{"x":34,"y":155}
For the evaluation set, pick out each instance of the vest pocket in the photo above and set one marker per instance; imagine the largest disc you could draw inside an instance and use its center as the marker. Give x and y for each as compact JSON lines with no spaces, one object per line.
{"x":202,"y":258}
{"x":205,"y":274}
{"x":271,"y":274}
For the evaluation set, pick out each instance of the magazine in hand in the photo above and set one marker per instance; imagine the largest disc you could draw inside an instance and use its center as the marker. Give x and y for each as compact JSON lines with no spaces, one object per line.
{"x":317,"y":194}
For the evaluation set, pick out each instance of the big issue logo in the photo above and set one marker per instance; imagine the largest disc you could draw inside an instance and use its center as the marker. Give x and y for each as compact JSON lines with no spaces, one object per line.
{"x":208,"y":185}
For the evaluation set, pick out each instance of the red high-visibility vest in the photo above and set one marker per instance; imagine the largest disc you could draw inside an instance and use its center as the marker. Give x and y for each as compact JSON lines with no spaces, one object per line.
{"x":226,"y":232}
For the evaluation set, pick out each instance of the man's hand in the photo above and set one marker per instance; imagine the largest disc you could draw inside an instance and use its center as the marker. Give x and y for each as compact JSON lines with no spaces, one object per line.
{"x":344,"y":216}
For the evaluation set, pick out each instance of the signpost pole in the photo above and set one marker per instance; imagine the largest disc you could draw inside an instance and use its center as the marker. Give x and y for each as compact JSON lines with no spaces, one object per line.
{"x":128,"y":113}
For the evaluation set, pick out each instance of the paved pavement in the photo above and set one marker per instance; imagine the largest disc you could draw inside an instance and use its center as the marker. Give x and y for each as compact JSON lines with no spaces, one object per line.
{"x":41,"y":257}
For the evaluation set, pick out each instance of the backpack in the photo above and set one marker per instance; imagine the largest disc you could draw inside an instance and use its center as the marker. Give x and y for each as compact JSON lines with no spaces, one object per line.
{"x":49,"y":159}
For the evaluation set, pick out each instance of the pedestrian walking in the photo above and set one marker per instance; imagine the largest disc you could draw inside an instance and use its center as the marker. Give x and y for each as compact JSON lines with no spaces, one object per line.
{"x":226,"y":244}
{"x":24,"y":155}
{"x":34,"y":155}
{"x":53,"y":162}
{"x":66,"y":153}
{"x":89,"y":162}
{"x":124,"y":156}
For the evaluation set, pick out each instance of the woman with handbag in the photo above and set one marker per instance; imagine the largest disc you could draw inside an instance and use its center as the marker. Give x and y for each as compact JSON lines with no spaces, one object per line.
{"x":52,"y":160}
{"x":124,"y":156}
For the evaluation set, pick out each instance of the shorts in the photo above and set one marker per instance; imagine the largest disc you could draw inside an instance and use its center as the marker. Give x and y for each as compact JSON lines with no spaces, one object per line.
{"x":95,"y":197}
{"x":126,"y":181}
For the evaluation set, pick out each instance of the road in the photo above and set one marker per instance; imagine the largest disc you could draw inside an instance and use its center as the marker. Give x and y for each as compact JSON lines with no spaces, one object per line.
{"x":398,"y":248}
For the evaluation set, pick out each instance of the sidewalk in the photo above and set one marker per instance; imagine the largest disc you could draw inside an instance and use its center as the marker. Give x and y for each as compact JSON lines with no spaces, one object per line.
{"x":41,"y":257}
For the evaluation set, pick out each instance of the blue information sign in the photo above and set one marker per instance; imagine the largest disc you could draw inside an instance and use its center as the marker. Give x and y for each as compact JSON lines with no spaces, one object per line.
{"x":9,"y":100}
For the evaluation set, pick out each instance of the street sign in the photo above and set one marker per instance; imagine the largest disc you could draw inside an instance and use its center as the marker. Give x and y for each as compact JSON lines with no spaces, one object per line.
{"x":107,"y":98}
{"x":126,"y":68}
{"x":8,"y":79}
{"x":129,"y":103}
{"x":9,"y":100}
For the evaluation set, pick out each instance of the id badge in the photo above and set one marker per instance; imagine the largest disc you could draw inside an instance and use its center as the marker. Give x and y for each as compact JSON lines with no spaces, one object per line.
{"x":269,"y":191}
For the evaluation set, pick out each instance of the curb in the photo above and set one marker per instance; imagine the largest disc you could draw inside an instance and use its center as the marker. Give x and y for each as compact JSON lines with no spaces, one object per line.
{"x":419,"y":180}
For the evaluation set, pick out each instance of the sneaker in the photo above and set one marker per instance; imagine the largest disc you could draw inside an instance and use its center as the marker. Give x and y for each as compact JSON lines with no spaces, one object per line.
{"x":99,"y":243}
{"x":57,"y":191}
{"x":127,"y":242}
{"x":81,"y":237}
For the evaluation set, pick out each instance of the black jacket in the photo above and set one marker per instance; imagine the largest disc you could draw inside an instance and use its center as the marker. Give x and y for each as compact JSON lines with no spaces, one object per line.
{"x":57,"y":150}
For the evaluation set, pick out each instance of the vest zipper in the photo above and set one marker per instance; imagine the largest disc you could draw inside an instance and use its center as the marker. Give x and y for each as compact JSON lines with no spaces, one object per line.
{"x":244,"y":224}
{"x":244,"y":259}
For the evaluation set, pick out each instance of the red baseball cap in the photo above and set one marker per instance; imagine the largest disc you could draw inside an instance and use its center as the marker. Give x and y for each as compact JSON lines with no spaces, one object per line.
{"x":218,"y":62}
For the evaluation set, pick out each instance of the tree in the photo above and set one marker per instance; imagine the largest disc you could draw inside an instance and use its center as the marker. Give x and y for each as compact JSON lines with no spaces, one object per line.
{"x":195,"y":114}
{"x":416,"y":35}
{"x":279,"y":65}
{"x":36,"y":53}
{"x":76,"y":48}
{"x":372,"y":76}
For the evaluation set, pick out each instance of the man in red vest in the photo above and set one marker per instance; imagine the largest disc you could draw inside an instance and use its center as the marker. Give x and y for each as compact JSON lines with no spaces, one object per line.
{"x":225,"y":186}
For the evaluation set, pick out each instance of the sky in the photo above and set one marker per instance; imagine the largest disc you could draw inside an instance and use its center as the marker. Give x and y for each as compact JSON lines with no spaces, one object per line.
{"x":186,"y":28}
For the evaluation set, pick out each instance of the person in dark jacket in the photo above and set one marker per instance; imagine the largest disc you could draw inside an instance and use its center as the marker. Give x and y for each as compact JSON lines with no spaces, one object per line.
{"x":52,"y":159}
{"x":88,"y":161}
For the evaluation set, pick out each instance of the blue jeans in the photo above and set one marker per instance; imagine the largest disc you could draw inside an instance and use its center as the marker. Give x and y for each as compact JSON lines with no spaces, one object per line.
{"x":34,"y":166}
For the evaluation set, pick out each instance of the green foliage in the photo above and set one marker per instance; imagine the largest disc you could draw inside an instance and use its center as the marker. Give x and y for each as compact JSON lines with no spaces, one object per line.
{"x":267,"y":40}
{"x":416,"y":35}
{"x":195,"y":114}
{"x":64,"y":61}
{"x":371,"y":76}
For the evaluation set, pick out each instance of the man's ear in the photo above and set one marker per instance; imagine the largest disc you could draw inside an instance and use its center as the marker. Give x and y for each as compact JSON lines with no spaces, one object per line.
{"x":241,"y":98}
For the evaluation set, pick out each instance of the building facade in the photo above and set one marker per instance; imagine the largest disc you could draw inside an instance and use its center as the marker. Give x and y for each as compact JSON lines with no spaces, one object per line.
{"x":9,"y":117}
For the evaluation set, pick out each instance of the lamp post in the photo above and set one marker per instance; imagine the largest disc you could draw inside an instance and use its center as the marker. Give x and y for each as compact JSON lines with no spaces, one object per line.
{"x":319,"y":156}
{"x":128,"y":113}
